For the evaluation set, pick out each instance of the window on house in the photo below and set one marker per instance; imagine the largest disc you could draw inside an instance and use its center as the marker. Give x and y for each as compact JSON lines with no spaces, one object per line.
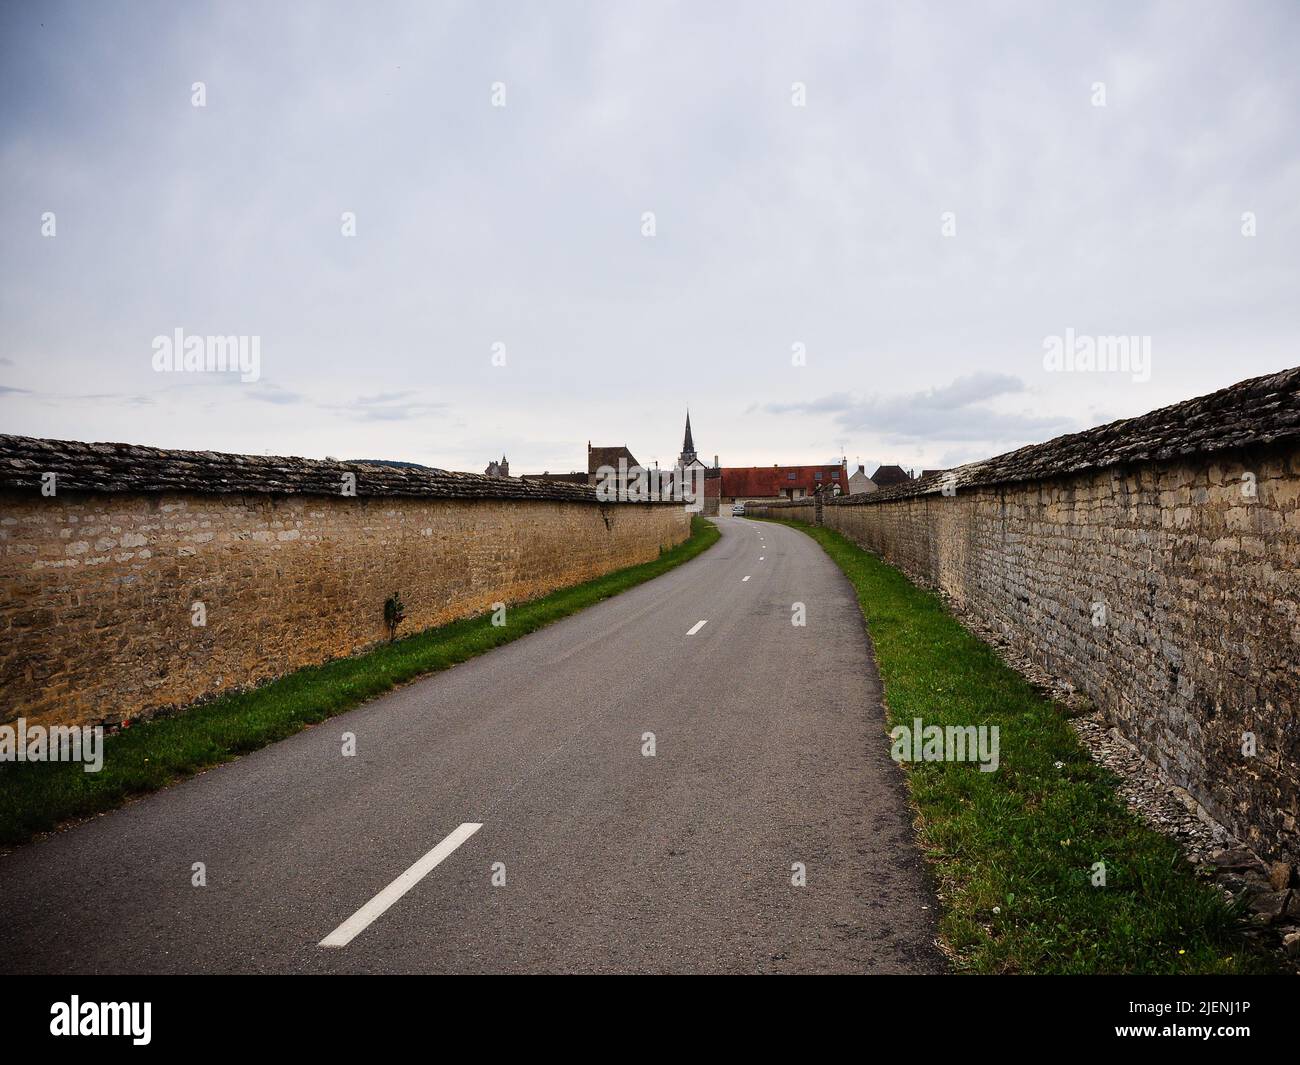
{"x":789,"y":476}
{"x":835,"y":475}
{"x":817,"y":476}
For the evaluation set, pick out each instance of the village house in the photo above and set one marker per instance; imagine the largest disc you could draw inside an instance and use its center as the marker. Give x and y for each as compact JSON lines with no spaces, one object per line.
{"x":887,"y":476}
{"x":860,"y":483}
{"x":597,"y":458}
{"x":746,"y":484}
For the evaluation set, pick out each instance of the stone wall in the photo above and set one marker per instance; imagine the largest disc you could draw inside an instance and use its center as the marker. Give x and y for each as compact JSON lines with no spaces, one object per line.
{"x":1164,"y":583}
{"x":98,"y":586}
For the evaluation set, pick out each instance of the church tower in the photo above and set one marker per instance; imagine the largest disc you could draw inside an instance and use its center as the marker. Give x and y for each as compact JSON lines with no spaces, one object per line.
{"x":688,"y":457}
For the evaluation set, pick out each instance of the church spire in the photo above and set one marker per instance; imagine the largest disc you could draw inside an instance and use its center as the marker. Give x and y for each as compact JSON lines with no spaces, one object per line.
{"x":688,"y":456}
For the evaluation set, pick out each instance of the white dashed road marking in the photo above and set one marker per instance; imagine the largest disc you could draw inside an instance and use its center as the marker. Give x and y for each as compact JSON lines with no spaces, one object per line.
{"x":696,"y":627}
{"x":743,"y":579}
{"x":374,"y":909}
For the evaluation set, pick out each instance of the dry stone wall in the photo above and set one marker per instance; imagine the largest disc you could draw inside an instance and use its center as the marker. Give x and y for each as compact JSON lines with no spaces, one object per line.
{"x":99,"y":581}
{"x":1154,"y":564}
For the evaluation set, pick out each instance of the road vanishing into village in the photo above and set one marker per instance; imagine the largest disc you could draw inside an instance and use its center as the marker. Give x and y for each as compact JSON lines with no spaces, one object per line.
{"x":528,"y":765}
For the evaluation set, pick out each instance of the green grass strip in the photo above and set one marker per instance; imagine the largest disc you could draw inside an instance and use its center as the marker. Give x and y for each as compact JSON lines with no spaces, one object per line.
{"x":1013,"y":850}
{"x":37,"y":796}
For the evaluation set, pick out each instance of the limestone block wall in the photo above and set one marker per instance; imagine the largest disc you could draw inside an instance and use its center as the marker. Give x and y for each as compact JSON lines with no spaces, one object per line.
{"x":1166,"y":586}
{"x":98,"y":588}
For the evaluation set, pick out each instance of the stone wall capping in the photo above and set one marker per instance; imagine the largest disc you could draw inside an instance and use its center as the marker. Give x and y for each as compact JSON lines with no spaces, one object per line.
{"x":133,"y":468}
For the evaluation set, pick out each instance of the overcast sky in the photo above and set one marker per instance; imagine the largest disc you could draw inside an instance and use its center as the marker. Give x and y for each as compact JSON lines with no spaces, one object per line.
{"x":775,"y":225}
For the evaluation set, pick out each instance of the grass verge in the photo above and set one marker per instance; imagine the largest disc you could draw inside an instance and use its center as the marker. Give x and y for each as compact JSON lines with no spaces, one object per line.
{"x":1014,"y":849}
{"x":37,"y":796}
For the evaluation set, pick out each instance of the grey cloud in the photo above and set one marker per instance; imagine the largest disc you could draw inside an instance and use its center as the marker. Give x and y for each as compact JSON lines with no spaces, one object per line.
{"x":384,"y":397}
{"x":267,"y":393}
{"x":972,"y":388}
{"x":397,"y":406}
{"x":951,"y":412}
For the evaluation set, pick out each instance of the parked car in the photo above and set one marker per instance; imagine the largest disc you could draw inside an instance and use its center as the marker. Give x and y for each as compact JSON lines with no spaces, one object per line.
{"x":737,"y":508}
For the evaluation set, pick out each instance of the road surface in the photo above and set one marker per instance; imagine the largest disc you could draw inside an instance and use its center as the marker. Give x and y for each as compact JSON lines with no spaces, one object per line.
{"x":768,"y":759}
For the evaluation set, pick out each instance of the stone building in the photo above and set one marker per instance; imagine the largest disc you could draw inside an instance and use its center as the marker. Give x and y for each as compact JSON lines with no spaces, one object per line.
{"x":860,"y":483}
{"x":599,"y":458}
{"x":688,"y":458}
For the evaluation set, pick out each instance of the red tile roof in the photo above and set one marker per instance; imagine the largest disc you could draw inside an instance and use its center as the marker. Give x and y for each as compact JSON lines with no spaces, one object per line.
{"x":759,"y":482}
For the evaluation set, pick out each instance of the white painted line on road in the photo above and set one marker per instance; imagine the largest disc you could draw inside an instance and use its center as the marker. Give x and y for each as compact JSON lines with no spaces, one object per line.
{"x":374,"y":909}
{"x":760,"y":558}
{"x":743,"y":579}
{"x":696,"y":627}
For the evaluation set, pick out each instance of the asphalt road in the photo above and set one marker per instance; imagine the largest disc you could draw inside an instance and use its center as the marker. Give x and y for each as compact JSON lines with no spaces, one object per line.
{"x":769,"y":751}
